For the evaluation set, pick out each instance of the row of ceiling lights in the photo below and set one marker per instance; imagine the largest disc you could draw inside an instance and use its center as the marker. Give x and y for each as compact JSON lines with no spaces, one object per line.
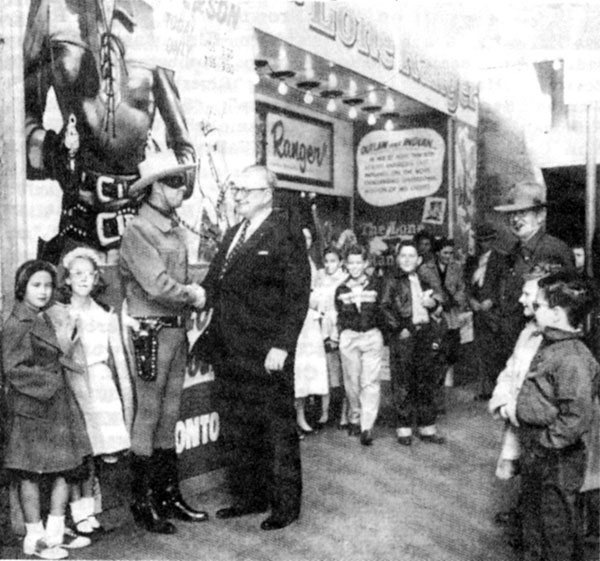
{"x":353,"y":100}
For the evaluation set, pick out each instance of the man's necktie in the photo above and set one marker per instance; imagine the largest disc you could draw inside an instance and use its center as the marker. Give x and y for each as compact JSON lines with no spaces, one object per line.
{"x":236,"y":248}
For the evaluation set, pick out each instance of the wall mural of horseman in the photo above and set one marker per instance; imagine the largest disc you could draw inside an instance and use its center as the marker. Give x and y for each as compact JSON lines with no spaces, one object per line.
{"x":95,"y":56}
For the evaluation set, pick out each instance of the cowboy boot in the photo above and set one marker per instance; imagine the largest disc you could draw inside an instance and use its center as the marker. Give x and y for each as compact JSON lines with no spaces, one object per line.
{"x":170,"y":502}
{"x":144,"y":505}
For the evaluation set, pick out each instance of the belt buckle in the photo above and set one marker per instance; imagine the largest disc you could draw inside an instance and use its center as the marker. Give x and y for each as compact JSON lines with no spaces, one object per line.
{"x":106,"y":180}
{"x":101,"y":219}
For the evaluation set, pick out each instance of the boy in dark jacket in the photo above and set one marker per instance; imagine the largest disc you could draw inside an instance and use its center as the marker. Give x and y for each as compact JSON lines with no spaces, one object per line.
{"x":361,"y":343}
{"x":554,"y":410}
{"x":414,"y":339}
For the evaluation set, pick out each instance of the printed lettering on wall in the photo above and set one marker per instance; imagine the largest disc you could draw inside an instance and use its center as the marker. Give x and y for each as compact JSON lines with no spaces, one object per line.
{"x":396,"y":166}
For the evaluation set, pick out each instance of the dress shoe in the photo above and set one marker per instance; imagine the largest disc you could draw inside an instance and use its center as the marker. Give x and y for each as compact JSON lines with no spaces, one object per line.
{"x":366,"y":437}
{"x":405,"y":440}
{"x":353,"y":429}
{"x":237,"y":511}
{"x":432,"y":438}
{"x":273,"y":523}
{"x":483,"y":397}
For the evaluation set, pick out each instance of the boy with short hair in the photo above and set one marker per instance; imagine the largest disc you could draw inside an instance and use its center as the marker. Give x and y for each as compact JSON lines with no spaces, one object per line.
{"x":554,"y":410}
{"x":361,"y":343}
{"x":408,"y":306}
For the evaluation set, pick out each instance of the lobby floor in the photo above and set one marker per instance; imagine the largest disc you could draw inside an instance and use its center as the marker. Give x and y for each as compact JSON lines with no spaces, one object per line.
{"x":379,"y":503}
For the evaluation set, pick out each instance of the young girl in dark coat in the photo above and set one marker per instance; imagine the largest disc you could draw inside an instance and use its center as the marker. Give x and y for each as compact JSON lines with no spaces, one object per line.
{"x":46,"y":433}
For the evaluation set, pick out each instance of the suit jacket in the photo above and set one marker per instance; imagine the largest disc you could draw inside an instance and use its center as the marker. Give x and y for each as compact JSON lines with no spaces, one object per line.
{"x":262,"y":299}
{"x":492,"y":281}
{"x":452,"y":290}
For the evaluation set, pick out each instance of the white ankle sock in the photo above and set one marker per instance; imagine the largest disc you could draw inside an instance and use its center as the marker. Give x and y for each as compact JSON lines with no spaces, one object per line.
{"x":55,"y":529}
{"x":34,"y":532}
{"x":78,"y":510}
{"x":90,"y":507}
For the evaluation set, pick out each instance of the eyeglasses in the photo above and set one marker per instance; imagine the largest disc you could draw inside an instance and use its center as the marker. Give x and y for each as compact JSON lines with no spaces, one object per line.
{"x":173,"y":181}
{"x":79,"y":275}
{"x":244,"y":191}
{"x":537,"y":305}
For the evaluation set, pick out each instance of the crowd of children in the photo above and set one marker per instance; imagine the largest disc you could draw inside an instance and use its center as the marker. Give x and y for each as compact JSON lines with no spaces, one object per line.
{"x":70,"y":396}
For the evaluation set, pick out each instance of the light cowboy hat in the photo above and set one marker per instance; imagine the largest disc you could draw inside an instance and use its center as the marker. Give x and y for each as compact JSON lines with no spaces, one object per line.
{"x":156,"y":166}
{"x":526,"y":195}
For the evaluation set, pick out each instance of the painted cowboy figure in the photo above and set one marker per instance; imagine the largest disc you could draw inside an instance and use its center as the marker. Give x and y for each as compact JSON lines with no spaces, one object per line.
{"x":95,"y":56}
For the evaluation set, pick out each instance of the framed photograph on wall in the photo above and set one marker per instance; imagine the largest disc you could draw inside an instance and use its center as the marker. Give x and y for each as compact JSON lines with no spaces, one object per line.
{"x":296,"y":147}
{"x":434,"y":210}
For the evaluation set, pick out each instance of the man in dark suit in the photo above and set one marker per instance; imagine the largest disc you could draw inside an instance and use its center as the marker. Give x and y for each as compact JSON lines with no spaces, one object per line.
{"x":483,"y":278}
{"x":258,"y":285}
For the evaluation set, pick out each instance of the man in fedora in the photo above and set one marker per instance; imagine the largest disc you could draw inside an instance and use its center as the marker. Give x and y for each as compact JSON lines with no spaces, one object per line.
{"x":525,"y":212}
{"x":153,"y":265}
{"x":483,"y":277}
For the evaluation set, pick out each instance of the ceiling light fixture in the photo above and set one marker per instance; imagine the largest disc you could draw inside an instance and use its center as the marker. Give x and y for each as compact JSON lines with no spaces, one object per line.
{"x":282,"y":76}
{"x":282,"y":88}
{"x":259,"y":64}
{"x":331,"y":95}
{"x":353,"y":102}
{"x":307,"y":86}
{"x":390,"y":117}
{"x":372,"y":110}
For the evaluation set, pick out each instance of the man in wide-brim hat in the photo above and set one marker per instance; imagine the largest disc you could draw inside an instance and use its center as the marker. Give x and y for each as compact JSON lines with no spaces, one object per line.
{"x":153,"y":266}
{"x":525,"y":212}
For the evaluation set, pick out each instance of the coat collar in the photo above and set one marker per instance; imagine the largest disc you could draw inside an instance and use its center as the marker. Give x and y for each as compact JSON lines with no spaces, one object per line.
{"x":553,"y":335}
{"x":24,"y":313}
{"x":41,"y":326}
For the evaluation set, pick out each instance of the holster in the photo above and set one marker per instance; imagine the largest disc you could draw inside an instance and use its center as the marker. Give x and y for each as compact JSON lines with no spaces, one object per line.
{"x":145,"y":348}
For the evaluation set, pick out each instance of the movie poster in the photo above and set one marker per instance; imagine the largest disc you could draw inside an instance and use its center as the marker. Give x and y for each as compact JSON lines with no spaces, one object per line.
{"x":401,"y":185}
